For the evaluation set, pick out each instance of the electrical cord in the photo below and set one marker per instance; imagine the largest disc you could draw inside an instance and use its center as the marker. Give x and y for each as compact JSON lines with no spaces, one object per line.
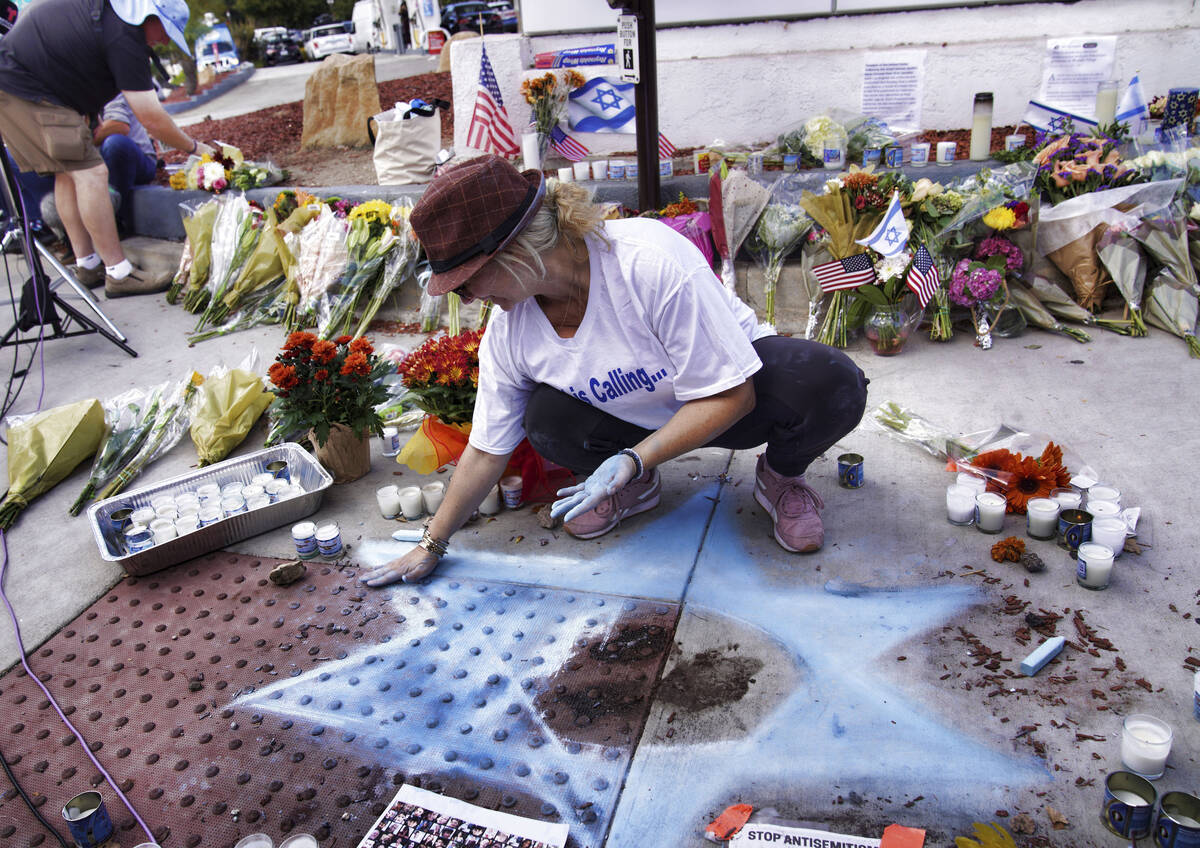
{"x":83,"y":744}
{"x":12,"y":778}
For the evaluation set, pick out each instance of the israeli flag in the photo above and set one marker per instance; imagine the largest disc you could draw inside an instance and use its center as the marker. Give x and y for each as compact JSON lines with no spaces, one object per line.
{"x":1133,"y":110}
{"x":1048,"y":119}
{"x":891,"y":236}
{"x":602,"y":105}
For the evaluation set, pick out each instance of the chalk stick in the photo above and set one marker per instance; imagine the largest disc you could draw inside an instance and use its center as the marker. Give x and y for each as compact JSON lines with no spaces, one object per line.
{"x":408,"y":534}
{"x":1045,"y":652}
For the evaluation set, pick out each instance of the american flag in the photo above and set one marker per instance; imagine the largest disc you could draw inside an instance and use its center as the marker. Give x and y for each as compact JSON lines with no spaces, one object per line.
{"x":848,"y":273}
{"x":665,"y":149}
{"x":923,"y":275}
{"x":567,"y":146}
{"x":490,"y":128}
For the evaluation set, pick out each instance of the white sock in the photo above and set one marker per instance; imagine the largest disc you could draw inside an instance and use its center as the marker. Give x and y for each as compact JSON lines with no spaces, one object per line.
{"x":119,"y":271}
{"x":90,"y":261}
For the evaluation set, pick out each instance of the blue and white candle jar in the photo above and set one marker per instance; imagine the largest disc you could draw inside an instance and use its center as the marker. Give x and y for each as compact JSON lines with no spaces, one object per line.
{"x":329,"y":540}
{"x":304,"y":535}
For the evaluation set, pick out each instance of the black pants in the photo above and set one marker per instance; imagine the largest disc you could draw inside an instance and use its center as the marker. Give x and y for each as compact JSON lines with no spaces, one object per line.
{"x":808,"y":396}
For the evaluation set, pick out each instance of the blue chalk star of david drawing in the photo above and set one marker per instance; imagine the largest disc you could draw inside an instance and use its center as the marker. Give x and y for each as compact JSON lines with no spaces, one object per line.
{"x":892,"y":235}
{"x":607,"y":98}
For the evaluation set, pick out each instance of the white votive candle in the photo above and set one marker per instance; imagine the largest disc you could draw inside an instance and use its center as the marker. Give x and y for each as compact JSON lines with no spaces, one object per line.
{"x":1094,"y":567}
{"x":142,"y":515}
{"x":1110,"y":532}
{"x":388,"y":499}
{"x":491,"y":502}
{"x":432,"y":494}
{"x":1145,"y":745}
{"x":977,"y":484}
{"x":960,"y":504}
{"x":945,"y":152}
{"x":185,"y":524}
{"x":919,"y":154}
{"x":989,"y":512}
{"x":1103,"y":509}
{"x":1104,"y":493}
{"x":410,"y":503}
{"x":582,"y":170}
{"x":1067,"y":498}
{"x":600,"y":169}
{"x":1041,"y":518}
{"x":566,"y":174}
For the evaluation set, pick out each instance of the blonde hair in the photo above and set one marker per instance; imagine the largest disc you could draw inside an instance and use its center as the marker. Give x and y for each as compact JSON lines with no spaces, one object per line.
{"x":567,"y":212}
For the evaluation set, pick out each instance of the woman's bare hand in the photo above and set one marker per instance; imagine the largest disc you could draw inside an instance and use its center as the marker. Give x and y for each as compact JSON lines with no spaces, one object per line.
{"x":409,"y":568}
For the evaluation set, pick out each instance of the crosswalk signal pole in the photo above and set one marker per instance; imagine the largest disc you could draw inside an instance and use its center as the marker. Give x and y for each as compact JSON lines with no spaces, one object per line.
{"x":645,"y":75}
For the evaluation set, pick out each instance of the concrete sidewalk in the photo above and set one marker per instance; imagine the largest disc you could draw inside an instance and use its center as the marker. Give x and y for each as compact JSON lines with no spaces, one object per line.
{"x":871,"y":682}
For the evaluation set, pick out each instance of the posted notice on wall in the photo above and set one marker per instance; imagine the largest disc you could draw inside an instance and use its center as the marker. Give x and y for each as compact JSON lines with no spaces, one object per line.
{"x":893,"y":85}
{"x":1073,"y":70}
{"x":418,"y":818}
{"x":755,"y":835}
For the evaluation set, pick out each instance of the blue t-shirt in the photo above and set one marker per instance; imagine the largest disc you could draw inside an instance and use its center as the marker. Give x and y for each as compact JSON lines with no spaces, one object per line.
{"x":56,"y":52}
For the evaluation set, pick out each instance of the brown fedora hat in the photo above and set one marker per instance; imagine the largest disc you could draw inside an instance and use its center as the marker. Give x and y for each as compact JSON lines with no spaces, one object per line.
{"x":470,"y":213}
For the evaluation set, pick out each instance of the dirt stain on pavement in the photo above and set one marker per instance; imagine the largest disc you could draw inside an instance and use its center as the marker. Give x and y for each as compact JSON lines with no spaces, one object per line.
{"x":709,"y":679}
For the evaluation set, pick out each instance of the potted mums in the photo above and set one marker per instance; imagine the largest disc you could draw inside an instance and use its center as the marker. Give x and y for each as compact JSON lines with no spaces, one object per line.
{"x":331,"y":389}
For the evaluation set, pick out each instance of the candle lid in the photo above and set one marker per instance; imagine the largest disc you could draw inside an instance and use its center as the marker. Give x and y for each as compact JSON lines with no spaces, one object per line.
{"x":983,"y":97}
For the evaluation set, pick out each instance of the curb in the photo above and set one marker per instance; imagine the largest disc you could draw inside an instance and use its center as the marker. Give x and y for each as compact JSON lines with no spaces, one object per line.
{"x":232,"y":81}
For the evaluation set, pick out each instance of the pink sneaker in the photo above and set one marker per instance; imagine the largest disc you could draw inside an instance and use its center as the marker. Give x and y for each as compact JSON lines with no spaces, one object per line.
{"x":638,"y":496}
{"x":793,"y":506}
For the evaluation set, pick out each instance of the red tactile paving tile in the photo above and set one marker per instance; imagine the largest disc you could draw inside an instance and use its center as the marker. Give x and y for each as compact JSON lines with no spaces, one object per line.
{"x":150,"y":674}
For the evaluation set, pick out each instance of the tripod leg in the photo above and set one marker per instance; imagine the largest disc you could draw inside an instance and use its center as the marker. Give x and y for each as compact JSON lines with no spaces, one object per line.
{"x":79,"y":288}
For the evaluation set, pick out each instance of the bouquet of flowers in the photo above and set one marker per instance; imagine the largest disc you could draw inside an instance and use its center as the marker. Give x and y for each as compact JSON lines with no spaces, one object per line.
{"x":226,"y":406}
{"x":1021,"y":478}
{"x":929,"y":208}
{"x":779,"y":231}
{"x":262,"y":268}
{"x":321,"y":257}
{"x":398,"y":265}
{"x":223,"y":168}
{"x":322,"y":385}
{"x":1071,"y":165}
{"x":128,"y":419}
{"x":889,"y":327}
{"x":43,"y":449}
{"x":847,"y":211}
{"x":735,"y":202}
{"x":370,"y":240}
{"x":197,"y":250}
{"x":547,"y":97}
{"x":236,"y":232}
{"x":442,"y":376}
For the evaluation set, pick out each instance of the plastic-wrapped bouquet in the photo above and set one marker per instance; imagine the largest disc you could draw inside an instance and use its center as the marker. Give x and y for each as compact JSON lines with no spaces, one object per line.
{"x":778,"y":232}
{"x":547,"y":97}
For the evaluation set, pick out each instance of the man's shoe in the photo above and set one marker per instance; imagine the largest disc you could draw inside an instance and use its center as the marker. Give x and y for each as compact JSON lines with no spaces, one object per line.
{"x":139,"y":281}
{"x":793,"y":506}
{"x":638,"y":496}
{"x":90,"y":277}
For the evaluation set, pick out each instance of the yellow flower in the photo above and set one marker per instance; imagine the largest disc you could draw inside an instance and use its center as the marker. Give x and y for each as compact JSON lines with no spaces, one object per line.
{"x":179,"y":180}
{"x":232,"y":153}
{"x":1000,"y":218}
{"x":372,"y":210}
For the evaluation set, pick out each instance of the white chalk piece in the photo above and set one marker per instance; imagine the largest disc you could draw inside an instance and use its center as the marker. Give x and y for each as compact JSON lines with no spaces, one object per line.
{"x":1046,"y":651}
{"x":408,"y":534}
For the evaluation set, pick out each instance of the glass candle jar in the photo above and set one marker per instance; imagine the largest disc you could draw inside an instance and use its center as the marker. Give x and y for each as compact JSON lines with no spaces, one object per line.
{"x":210,"y":513}
{"x":1067,"y":498}
{"x":989,"y":512}
{"x":233,"y":504}
{"x":388,"y":500}
{"x":981,"y":127}
{"x":432,"y":495}
{"x":974,"y":482}
{"x":1099,"y":493}
{"x":411,"y":503}
{"x":919,"y":154}
{"x":960,"y":504}
{"x":945,"y":152}
{"x":1110,"y":532}
{"x":1094,"y":565}
{"x":329,"y":540}
{"x":1106,"y":102}
{"x":1041,"y":516}
{"x":1145,"y":745}
{"x":304,"y":536}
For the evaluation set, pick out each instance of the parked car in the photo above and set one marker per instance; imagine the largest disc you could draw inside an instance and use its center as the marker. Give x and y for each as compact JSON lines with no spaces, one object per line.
{"x":508,"y":14}
{"x":278,"y":49}
{"x":462,"y":17}
{"x":326,"y":40}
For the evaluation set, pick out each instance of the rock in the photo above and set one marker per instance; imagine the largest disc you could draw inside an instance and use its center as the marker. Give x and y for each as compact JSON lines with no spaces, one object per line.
{"x":339,"y":97}
{"x":444,"y":56}
{"x":205,"y":76}
{"x":287,"y":573}
{"x":542,"y":513}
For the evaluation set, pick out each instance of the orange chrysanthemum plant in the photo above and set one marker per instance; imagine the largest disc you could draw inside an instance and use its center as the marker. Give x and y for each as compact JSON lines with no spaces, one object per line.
{"x":319,"y":383}
{"x":1021,"y":478}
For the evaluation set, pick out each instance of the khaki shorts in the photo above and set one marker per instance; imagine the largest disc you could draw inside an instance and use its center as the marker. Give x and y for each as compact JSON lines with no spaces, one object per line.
{"x":45,"y":138}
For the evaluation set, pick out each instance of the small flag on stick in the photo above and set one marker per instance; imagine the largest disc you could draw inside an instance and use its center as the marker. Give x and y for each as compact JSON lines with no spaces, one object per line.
{"x":567,"y":146}
{"x":848,"y":273}
{"x":490,"y":128}
{"x":923,"y":275}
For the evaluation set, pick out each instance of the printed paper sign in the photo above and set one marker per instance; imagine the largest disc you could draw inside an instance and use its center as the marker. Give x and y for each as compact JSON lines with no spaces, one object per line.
{"x":1073,"y":71}
{"x":893,"y":85}
{"x":755,"y":835}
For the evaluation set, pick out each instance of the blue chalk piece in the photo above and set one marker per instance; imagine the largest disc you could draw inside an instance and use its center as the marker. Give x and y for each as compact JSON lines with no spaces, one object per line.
{"x":1046,"y":651}
{"x":407,"y":534}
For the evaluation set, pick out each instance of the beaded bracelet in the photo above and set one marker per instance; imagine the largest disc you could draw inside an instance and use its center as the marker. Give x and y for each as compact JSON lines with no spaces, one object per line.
{"x":437,"y":547}
{"x":637,"y":461}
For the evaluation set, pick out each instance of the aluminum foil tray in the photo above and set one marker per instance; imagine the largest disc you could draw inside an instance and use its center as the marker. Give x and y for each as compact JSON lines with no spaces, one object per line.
{"x":302,"y":467}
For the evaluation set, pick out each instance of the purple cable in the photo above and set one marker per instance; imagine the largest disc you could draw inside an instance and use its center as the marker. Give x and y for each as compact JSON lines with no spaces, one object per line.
{"x":83,"y":742}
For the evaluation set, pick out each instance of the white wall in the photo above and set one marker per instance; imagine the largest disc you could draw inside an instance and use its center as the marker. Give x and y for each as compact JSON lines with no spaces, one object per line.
{"x":744,"y":83}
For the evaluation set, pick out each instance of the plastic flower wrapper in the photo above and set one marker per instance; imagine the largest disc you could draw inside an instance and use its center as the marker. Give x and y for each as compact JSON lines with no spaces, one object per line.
{"x":369,"y":242}
{"x":232,"y":211}
{"x":866,"y":133}
{"x":821,"y":131}
{"x":1036,"y":313}
{"x":929,"y":207}
{"x":264,"y":305}
{"x":1163,"y":234}
{"x":399,"y":264}
{"x":907,"y":426}
{"x":1172,"y":305}
{"x":249,"y":232}
{"x":431,"y":305}
{"x":1125,"y":262}
{"x":836,"y":213}
{"x":261,"y":268}
{"x":250,"y":175}
{"x":735,"y":202}
{"x":44,"y":448}
{"x":779,"y":231}
{"x":321,"y":257}
{"x":171,"y":420}
{"x":1059,"y":302}
{"x":128,"y":419}
{"x":226,"y":407}
{"x":547,"y":97}
{"x":198,"y":220}
{"x":1070,"y":232}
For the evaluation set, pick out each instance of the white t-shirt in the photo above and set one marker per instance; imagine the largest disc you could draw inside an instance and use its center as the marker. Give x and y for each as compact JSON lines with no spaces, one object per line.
{"x":659,"y":330}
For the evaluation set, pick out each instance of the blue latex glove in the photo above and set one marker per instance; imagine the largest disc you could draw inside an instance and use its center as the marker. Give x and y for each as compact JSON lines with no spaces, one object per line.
{"x":611,"y":477}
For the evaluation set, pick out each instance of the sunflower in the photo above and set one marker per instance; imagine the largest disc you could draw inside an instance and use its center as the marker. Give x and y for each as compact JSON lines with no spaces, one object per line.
{"x":1031,"y":479}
